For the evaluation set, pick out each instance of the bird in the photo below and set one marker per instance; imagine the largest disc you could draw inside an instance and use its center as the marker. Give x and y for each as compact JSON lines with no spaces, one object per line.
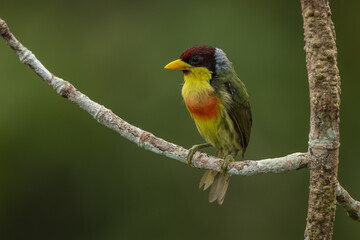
{"x":218,"y":102}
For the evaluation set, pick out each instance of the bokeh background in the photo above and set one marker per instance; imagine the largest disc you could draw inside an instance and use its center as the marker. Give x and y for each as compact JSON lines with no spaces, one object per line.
{"x":64,"y":176}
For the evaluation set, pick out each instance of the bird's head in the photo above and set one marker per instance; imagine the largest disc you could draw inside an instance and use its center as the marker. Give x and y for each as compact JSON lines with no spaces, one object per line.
{"x":213,"y":59}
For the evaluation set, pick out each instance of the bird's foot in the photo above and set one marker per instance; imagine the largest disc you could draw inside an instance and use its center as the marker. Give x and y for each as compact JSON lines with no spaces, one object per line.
{"x":193,"y":150}
{"x":224,"y":165}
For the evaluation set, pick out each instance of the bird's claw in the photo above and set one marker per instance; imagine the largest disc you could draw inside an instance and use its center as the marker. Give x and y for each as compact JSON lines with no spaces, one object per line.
{"x":193,"y":150}
{"x":225,"y":163}
{"x":191,"y":153}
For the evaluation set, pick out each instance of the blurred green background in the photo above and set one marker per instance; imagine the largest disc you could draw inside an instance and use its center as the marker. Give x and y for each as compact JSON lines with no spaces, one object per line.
{"x":64,"y":176}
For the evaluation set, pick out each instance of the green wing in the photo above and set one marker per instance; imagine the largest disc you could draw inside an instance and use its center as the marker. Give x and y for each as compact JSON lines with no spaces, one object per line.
{"x":239,"y":110}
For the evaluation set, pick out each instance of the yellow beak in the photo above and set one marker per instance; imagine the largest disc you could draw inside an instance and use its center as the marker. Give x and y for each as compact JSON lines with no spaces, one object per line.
{"x":178,"y":65}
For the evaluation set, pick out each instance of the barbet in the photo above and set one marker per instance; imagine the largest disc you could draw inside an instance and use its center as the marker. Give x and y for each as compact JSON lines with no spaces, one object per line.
{"x":219,"y":104}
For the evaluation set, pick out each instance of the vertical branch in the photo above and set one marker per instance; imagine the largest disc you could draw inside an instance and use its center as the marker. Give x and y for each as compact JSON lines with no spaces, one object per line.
{"x":324,"y":86}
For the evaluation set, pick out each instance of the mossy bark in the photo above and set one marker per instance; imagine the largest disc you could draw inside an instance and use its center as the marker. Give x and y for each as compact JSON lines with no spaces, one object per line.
{"x":324,"y":86}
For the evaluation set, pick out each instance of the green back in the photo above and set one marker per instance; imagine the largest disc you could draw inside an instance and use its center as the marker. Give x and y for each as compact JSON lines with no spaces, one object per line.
{"x":238,"y":108}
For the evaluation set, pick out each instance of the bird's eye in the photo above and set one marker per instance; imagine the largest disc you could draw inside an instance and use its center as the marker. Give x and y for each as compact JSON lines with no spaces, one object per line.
{"x":195,"y":59}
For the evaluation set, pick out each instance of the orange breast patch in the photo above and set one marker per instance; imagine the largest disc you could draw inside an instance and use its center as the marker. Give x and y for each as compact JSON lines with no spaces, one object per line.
{"x":204,"y":108}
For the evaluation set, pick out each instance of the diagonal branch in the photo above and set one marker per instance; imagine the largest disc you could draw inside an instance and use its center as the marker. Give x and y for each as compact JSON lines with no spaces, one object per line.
{"x":152,"y":143}
{"x":346,"y":201}
{"x":142,"y":138}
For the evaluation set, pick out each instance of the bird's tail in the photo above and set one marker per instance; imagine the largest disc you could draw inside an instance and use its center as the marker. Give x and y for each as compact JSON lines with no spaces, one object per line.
{"x":219,"y":182}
